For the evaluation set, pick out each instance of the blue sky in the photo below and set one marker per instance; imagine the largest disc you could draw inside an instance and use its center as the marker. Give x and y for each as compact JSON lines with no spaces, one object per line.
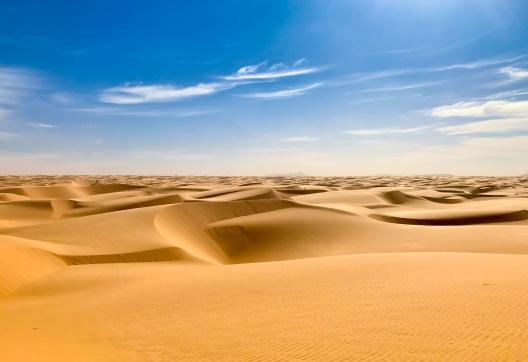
{"x":263,"y":87}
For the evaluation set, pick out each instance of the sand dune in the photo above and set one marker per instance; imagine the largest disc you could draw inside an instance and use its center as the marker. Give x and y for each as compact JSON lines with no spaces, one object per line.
{"x":129,"y":268}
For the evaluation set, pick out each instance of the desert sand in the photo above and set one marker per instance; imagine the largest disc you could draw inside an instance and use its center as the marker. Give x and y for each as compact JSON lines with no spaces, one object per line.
{"x":136,"y":268}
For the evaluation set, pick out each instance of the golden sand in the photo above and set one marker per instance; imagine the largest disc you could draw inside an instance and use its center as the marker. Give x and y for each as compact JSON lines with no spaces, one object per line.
{"x":130,"y":268}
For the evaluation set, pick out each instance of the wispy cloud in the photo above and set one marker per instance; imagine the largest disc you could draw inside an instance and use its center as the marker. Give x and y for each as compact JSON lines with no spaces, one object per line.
{"x":16,"y":83}
{"x":386,"y":131}
{"x":300,"y":139}
{"x":439,"y":49}
{"x":402,"y":87}
{"x":369,"y":76}
{"x":488,"y":126}
{"x":481,"y":63}
{"x":138,"y":94}
{"x":483,"y":109}
{"x":279,"y":70}
{"x":393,"y":73}
{"x":509,"y":116}
{"x":514,"y":73}
{"x":284,"y":93}
{"x":146,"y":112}
{"x":41,"y":125}
{"x":515,"y":93}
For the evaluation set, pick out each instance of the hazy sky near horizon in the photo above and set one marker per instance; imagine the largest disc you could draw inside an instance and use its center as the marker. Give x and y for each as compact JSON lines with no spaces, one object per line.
{"x":260,"y":87}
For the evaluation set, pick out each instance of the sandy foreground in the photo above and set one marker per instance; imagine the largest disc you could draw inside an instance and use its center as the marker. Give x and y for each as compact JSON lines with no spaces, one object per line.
{"x":130,"y":268}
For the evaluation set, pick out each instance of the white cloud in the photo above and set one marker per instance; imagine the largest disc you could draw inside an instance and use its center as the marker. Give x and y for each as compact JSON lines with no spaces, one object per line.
{"x":137,"y":94}
{"x":284,"y":93}
{"x":278,"y":70}
{"x":479,"y":63}
{"x":514,"y":73}
{"x":483,"y":109}
{"x":299,"y":62}
{"x":385,"y":131}
{"x":42,"y":125}
{"x":382,"y":74}
{"x":300,"y":139}
{"x":249,"y":69}
{"x":508,"y":116}
{"x":488,"y":126}
{"x":516,"y":93}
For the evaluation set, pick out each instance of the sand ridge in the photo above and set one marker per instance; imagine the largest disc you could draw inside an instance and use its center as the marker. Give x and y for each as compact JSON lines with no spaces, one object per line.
{"x":229,"y":268}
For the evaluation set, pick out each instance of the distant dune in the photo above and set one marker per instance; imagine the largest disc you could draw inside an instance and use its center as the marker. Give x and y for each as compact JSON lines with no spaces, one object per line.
{"x":287,"y":267}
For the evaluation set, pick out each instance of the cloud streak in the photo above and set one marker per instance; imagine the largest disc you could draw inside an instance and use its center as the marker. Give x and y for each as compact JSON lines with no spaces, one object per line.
{"x":501,"y":108}
{"x":514,"y":73}
{"x":15,"y":84}
{"x":516,"y":93}
{"x":279,"y":70}
{"x":386,"y":131}
{"x":156,"y":93}
{"x":42,"y":125}
{"x":392,"y":73}
{"x":402,"y":87}
{"x":138,"y":94}
{"x":284,"y":93}
{"x":482,"y":63}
